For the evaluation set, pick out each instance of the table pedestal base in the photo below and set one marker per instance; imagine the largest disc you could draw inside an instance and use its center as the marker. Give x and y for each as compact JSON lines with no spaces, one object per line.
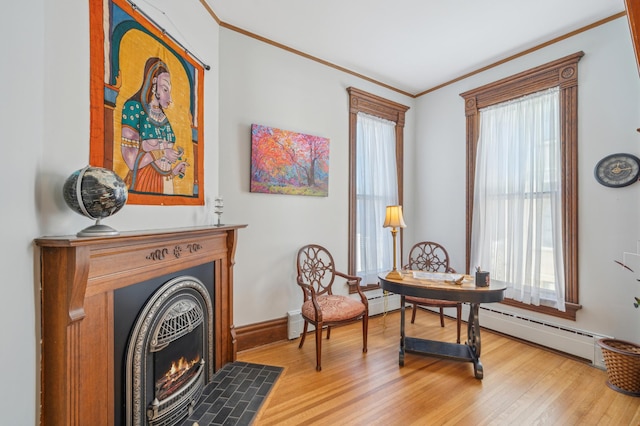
{"x":468,"y":352}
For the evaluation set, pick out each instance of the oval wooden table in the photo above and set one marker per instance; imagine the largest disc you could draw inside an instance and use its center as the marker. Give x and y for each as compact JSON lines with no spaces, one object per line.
{"x":443,"y":289}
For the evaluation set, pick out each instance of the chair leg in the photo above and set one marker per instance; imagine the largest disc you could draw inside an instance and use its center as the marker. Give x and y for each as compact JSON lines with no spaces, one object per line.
{"x":328,"y":332}
{"x":304,"y":334}
{"x":413,"y":313}
{"x":365,"y":330}
{"x":459,"y":312}
{"x":441,"y":317}
{"x":318,"y":346}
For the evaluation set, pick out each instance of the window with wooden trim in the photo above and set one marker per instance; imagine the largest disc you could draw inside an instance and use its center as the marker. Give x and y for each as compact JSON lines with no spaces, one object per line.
{"x":563,"y":75}
{"x":371,"y":108}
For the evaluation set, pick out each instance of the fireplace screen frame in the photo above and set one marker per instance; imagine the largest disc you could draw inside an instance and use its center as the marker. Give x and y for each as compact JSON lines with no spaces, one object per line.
{"x":183,"y":293}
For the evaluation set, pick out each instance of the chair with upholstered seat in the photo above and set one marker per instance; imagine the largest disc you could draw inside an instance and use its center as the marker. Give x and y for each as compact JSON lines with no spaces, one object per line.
{"x":321,"y":307}
{"x":432,"y":257}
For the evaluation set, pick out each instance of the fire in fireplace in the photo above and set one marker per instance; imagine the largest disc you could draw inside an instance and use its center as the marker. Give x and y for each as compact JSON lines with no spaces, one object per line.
{"x":179,"y":374}
{"x":169,"y":355}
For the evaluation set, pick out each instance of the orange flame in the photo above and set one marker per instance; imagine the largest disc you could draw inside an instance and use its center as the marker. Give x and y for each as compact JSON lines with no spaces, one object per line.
{"x":180,"y":366}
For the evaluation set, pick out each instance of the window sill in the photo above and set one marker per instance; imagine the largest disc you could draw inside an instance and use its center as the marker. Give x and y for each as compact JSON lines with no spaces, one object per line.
{"x":368,"y":287}
{"x":570,"y":313}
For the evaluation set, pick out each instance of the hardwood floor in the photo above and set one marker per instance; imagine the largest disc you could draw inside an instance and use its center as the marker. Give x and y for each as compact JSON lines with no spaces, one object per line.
{"x":522,"y":384}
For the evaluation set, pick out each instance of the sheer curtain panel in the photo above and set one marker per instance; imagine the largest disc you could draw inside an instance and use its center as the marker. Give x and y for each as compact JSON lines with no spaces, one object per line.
{"x":517,"y":215}
{"x":376,"y":188}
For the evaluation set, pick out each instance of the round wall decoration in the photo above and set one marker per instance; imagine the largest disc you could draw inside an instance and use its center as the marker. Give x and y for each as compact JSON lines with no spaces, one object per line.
{"x":618,"y":170}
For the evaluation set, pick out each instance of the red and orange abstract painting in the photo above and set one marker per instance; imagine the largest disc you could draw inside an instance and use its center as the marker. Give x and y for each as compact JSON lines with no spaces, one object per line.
{"x":286,"y":162}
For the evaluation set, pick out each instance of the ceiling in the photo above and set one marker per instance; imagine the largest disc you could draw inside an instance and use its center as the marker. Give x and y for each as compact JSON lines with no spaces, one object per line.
{"x":412,"y":45}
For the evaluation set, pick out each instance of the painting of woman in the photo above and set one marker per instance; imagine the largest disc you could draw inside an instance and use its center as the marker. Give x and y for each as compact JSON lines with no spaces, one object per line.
{"x":148,"y":144}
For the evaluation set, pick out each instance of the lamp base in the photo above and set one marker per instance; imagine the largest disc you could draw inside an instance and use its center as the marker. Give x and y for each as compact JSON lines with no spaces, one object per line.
{"x":394,"y":275}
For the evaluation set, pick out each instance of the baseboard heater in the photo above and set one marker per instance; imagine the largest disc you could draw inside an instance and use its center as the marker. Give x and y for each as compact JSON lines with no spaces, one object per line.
{"x":378,"y":304}
{"x":580,"y":343}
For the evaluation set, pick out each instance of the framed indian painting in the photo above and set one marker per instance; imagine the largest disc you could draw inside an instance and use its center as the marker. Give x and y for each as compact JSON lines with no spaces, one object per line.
{"x":146,"y":107}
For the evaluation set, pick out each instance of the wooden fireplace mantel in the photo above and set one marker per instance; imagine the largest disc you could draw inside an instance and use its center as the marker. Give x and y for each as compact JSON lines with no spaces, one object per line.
{"x":78,"y":278}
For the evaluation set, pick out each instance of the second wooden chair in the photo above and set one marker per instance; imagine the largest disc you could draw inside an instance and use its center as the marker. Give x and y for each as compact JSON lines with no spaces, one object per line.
{"x":432,"y":257}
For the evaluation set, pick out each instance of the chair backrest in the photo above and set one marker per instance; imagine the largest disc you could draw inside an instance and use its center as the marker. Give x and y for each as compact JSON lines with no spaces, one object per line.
{"x":316,"y":268}
{"x":429,"y":256}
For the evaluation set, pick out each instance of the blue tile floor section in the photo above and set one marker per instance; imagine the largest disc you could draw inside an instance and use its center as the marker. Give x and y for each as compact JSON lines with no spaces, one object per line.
{"x":235,"y":395}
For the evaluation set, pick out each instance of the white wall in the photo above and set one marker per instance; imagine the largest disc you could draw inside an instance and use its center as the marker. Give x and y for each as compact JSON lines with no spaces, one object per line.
{"x":22,"y":85}
{"x":262,"y":84}
{"x":609,"y":114}
{"x":45,"y":79}
{"x":44,"y":75}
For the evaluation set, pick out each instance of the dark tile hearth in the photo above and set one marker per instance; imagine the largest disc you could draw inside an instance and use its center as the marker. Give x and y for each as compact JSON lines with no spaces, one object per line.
{"x":235,"y":395}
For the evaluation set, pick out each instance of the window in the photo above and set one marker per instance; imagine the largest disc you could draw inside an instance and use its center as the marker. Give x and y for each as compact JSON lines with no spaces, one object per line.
{"x":517,"y":198}
{"x":551,"y":90}
{"x":376,"y":188}
{"x":375,"y":180}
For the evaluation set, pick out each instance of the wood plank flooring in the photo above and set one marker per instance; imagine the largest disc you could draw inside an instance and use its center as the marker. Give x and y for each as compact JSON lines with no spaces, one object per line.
{"x":522,"y":384}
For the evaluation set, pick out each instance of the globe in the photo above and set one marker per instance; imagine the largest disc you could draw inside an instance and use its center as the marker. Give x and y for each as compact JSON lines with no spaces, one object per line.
{"x":96,"y":193}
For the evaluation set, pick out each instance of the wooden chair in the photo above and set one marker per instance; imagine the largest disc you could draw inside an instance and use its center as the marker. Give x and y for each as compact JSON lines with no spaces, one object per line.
{"x":432,"y":257}
{"x":316,"y":277}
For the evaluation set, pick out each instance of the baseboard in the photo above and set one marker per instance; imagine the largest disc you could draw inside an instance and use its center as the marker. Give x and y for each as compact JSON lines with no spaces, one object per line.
{"x":262,"y":333}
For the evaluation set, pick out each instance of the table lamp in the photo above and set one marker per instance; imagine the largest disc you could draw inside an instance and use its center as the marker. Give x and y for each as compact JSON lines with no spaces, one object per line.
{"x":394,"y":220}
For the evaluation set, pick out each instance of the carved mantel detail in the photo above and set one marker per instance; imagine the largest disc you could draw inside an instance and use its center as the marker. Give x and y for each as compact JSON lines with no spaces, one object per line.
{"x":78,"y":278}
{"x":160,"y":254}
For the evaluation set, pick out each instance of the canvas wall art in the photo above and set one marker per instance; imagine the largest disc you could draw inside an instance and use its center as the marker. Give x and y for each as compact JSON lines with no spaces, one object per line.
{"x":286,"y":162}
{"x":146,"y":107}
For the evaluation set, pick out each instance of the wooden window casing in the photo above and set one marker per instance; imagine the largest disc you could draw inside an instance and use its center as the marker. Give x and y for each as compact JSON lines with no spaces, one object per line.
{"x":360,"y":101}
{"x":562,"y":73}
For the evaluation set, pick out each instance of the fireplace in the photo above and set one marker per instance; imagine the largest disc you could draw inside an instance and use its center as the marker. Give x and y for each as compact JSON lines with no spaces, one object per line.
{"x":168,"y":352}
{"x":134,"y":326}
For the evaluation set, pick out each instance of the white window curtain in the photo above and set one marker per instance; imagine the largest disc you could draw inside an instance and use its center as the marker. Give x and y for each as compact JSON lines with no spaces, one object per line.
{"x":517,"y":214}
{"x":376,"y":188}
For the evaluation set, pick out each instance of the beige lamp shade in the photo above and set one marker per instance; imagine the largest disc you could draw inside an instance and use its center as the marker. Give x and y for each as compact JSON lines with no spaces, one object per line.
{"x":394,"y":218}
